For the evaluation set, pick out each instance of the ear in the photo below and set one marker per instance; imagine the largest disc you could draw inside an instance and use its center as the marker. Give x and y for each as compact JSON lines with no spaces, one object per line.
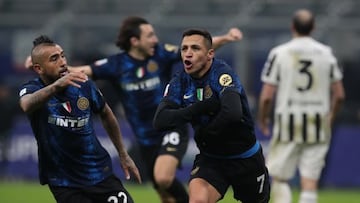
{"x":134,"y":41}
{"x":210,"y":54}
{"x":37,"y":68}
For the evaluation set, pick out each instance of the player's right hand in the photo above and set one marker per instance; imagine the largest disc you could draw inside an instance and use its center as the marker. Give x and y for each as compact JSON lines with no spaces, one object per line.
{"x":71,"y":78}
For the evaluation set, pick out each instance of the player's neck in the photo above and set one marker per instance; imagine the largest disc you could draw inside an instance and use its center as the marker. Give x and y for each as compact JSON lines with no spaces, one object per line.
{"x":137,"y":55}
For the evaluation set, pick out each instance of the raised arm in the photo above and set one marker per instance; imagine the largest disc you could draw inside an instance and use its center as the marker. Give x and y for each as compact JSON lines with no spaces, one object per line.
{"x":113,"y":130}
{"x":31,"y":102}
{"x":234,"y":34}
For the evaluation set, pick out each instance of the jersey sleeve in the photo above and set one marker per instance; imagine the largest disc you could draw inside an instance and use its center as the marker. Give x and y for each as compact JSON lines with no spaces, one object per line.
{"x":225,"y":78}
{"x":104,"y":68}
{"x":97,"y":98}
{"x":172,"y":91}
{"x":28,"y":88}
{"x":270,"y":72}
{"x":335,"y":72}
{"x":170,"y":52}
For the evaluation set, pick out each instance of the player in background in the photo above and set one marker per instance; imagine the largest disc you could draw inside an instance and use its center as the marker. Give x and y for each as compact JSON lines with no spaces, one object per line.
{"x":60,"y":106}
{"x":305,"y":77}
{"x":139,"y":75}
{"x":209,"y":95}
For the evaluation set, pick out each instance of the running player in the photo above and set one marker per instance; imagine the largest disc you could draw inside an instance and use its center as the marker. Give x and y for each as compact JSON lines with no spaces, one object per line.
{"x":209,"y":95}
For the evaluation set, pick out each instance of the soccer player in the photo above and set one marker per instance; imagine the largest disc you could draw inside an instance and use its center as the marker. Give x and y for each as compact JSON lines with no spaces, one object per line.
{"x":139,"y":75}
{"x":60,"y":106}
{"x":209,"y":95}
{"x":307,"y":81}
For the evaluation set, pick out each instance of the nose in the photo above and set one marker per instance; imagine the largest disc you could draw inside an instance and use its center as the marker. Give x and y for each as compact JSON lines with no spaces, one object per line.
{"x":63,"y":61}
{"x":155,"y":40}
{"x":188,"y":53}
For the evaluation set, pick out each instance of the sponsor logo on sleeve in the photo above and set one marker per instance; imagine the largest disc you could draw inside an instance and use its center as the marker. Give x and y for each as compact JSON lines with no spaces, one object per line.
{"x":225,"y":80}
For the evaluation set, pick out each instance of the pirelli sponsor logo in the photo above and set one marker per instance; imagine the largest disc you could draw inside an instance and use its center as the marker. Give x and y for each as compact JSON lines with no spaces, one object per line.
{"x":301,"y":128}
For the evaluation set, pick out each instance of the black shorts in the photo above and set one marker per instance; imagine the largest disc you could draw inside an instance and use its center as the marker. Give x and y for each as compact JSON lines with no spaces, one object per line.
{"x":109,"y":190}
{"x":174,"y":143}
{"x":248,"y":177}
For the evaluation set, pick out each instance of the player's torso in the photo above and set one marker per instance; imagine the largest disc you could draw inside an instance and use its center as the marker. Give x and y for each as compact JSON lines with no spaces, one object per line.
{"x":140,"y":85}
{"x":304,"y":75}
{"x":69,"y":152}
{"x":303,"y":95}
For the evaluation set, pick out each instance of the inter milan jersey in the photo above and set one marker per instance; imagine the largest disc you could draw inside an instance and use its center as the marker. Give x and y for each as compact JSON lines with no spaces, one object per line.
{"x":69,"y":152}
{"x":234,"y":138}
{"x":140,"y":85}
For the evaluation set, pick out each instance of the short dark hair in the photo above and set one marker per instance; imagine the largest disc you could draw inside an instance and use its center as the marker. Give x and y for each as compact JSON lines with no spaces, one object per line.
{"x":202,"y":32}
{"x":129,"y":28}
{"x":42,"y":39}
{"x":303,"y":26}
{"x":39,"y":42}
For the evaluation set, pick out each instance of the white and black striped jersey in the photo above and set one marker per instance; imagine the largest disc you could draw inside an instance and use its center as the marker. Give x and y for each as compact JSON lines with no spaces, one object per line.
{"x":303,"y":71}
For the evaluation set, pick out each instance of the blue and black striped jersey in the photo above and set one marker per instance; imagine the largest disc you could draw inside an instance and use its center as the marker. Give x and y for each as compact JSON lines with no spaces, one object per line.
{"x":140,"y":85}
{"x":232,"y":137}
{"x":69,"y":152}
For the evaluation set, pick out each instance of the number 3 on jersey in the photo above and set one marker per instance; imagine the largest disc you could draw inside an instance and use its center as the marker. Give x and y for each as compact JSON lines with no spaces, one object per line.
{"x":304,"y":70}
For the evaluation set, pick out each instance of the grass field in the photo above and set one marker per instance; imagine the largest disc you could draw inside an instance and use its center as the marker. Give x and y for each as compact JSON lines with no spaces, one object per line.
{"x":33,"y":192}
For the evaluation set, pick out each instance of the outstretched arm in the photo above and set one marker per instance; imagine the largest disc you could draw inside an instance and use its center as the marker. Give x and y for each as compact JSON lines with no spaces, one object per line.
{"x":85,"y":69}
{"x":234,"y":34}
{"x":113,"y":130}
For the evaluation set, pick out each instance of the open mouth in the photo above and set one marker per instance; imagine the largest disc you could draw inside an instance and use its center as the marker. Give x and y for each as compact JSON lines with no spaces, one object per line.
{"x":187,"y":64}
{"x":64,"y":72}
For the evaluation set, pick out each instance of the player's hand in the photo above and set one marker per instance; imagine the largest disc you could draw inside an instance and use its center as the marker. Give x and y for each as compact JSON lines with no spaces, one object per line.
{"x":28,"y":63}
{"x":234,"y":34}
{"x":70,"y":78}
{"x":128,"y":165}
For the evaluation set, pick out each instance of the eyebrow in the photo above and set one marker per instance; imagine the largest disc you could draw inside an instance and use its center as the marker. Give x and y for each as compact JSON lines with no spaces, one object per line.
{"x":57,"y":54}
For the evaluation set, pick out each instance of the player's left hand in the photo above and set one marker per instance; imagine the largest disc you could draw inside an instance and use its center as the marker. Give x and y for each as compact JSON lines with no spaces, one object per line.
{"x":234,"y":34}
{"x":128,"y":165}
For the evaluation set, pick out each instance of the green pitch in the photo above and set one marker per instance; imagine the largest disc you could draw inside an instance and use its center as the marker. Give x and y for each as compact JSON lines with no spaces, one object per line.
{"x":33,"y":192}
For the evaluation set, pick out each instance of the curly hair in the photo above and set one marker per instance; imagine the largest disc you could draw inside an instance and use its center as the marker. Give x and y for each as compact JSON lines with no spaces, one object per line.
{"x":129,"y":28}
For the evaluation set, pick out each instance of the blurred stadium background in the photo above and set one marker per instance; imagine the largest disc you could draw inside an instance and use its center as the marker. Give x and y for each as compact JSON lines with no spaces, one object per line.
{"x":87,"y":30}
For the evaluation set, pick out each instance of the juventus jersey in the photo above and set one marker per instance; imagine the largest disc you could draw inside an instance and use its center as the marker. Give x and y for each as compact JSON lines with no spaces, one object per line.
{"x":303,"y":71}
{"x":69,"y":152}
{"x":140,"y":85}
